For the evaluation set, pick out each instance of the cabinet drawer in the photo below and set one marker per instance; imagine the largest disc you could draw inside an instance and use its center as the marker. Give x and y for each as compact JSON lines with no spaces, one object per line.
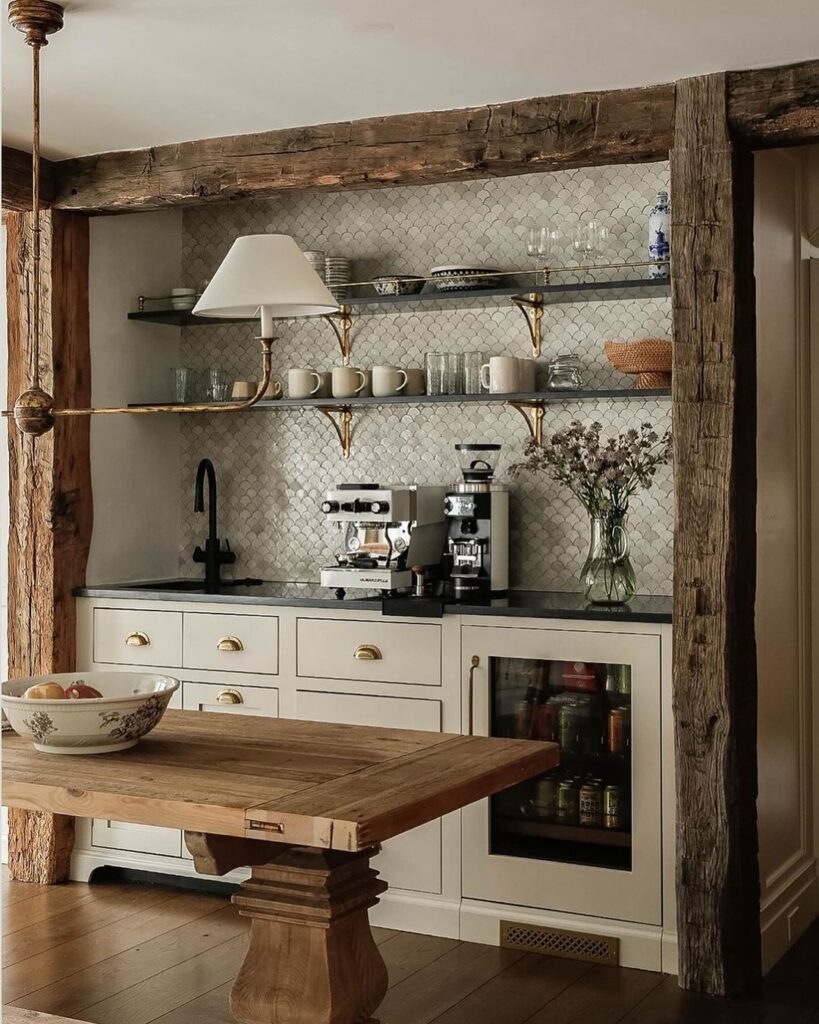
{"x":231,"y":643}
{"x":133,"y":636}
{"x":399,"y":652}
{"x":230,"y":699}
{"x":413,"y":860}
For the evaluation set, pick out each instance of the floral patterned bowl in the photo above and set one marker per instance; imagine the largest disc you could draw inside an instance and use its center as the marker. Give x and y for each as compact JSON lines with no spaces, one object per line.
{"x":131,"y":705}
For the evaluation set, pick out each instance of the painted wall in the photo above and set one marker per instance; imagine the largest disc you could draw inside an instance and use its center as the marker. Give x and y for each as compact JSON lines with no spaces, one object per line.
{"x":134,"y":460}
{"x":274,"y":466}
{"x":783,"y":606}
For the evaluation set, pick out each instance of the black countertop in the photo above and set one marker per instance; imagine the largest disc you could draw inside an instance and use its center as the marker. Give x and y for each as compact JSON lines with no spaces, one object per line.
{"x":520,"y":603}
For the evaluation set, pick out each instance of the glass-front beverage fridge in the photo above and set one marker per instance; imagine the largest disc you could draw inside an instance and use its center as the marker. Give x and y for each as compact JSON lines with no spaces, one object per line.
{"x":584,"y":837}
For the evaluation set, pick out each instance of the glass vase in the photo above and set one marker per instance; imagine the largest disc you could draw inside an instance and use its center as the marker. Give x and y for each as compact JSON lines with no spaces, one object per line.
{"x":608,"y":575}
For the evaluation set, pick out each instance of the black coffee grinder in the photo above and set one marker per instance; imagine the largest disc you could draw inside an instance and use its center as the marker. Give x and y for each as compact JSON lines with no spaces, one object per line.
{"x":477,"y":512}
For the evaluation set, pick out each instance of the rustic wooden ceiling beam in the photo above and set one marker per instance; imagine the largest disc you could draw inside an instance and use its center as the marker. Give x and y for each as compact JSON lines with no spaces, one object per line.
{"x":774,"y":106}
{"x":16,"y":173}
{"x":619,"y":126}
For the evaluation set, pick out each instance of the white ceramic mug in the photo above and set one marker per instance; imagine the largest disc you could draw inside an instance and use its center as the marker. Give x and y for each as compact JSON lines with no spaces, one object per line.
{"x":273,"y":390}
{"x":243,"y":389}
{"x":348,"y":381}
{"x":303,"y":382}
{"x":416,"y":381}
{"x":501,"y":375}
{"x":388,"y":380}
{"x":527,"y":375}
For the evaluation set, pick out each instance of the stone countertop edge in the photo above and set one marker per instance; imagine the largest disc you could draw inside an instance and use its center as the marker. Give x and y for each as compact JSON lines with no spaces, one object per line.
{"x":517,"y":603}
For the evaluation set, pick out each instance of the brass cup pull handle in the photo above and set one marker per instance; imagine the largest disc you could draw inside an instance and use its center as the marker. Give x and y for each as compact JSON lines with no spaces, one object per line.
{"x":471,"y":691}
{"x":367,"y":652}
{"x":229,"y":697}
{"x":230,"y":643}
{"x":138,"y":639}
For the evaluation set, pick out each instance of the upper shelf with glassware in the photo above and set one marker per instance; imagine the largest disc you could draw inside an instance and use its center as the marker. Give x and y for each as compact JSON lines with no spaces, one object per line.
{"x":605,"y":282}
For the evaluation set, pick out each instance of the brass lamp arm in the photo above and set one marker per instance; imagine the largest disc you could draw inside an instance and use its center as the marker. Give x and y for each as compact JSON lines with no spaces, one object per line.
{"x":37,"y":418}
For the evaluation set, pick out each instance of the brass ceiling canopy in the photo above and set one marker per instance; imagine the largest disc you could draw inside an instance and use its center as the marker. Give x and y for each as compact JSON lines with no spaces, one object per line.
{"x":34,"y":411}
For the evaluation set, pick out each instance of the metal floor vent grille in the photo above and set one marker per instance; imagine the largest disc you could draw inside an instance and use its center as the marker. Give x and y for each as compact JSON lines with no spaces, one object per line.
{"x":598,"y":949}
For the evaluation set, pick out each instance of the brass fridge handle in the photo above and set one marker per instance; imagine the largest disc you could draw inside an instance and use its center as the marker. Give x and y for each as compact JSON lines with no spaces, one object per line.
{"x":230,"y":643}
{"x":471,"y":690}
{"x":367,"y":652}
{"x":138,"y":639}
{"x":229,"y":697}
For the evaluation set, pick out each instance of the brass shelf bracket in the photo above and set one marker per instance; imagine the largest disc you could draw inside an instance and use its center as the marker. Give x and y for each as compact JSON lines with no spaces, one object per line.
{"x":342,"y":323}
{"x":531,"y":306}
{"x":343,"y":426}
{"x":532,"y":412}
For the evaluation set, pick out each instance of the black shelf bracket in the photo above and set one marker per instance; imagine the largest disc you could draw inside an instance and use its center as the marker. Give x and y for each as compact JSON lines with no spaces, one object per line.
{"x":343,"y":425}
{"x":532,"y":412}
{"x":342,"y":323}
{"x":531,"y":306}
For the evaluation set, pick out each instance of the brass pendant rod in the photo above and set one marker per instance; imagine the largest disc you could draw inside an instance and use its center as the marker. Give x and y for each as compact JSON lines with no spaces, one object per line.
{"x":246,"y":403}
{"x":35,"y":213}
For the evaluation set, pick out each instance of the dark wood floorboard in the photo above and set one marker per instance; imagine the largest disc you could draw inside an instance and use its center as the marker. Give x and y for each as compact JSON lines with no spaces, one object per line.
{"x":128,"y":954}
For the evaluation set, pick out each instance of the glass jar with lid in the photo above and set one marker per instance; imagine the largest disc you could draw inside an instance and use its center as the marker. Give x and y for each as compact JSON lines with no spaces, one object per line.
{"x":565,"y":373}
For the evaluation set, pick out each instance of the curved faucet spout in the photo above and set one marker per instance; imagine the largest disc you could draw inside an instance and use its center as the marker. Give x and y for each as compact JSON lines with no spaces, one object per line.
{"x":206,"y":467}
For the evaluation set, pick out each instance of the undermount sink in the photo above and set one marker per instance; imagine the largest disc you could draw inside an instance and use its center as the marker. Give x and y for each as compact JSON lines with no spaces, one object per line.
{"x":195,"y":586}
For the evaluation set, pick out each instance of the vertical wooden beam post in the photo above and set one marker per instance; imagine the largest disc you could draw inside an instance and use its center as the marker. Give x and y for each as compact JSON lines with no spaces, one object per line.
{"x":49,"y":492}
{"x":715,"y":704}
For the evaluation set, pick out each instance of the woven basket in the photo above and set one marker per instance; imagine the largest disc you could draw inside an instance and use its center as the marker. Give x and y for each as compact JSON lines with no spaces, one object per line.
{"x":648,"y":358}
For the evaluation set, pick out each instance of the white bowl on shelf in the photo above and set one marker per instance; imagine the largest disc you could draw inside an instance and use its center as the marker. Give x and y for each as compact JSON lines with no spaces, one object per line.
{"x":132,"y":703}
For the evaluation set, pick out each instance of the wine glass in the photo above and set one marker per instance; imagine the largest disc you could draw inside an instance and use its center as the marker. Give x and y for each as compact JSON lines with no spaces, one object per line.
{"x":541,"y":246}
{"x":591,"y":239}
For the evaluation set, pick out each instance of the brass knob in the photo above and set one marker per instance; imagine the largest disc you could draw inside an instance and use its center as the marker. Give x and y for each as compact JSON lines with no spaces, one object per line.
{"x":229,"y":697}
{"x":367,"y":652}
{"x":230,"y":643}
{"x":138,"y":639}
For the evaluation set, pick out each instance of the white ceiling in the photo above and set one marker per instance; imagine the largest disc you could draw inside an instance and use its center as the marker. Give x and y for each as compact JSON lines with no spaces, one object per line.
{"x":124,"y":74}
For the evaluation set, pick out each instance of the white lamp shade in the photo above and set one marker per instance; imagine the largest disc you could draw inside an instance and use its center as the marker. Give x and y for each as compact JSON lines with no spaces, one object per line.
{"x":267,"y":274}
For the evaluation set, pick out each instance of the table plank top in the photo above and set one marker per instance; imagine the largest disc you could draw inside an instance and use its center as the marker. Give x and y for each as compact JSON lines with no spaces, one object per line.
{"x":341,"y":787}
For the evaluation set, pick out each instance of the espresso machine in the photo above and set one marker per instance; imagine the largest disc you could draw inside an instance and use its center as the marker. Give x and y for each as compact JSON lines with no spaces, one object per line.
{"x":386,"y":533}
{"x":477,"y":511}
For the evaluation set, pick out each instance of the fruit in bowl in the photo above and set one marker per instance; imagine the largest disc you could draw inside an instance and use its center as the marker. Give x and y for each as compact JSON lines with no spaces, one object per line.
{"x":86,"y":712}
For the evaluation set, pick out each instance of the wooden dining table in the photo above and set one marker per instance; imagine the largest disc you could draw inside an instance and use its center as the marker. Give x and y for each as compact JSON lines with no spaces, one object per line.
{"x":305,"y":806}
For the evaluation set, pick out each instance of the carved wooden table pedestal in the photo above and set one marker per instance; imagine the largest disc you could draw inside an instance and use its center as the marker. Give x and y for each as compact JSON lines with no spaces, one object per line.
{"x":305,"y":806}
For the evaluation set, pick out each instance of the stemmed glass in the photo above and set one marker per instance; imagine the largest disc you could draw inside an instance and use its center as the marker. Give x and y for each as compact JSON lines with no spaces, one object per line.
{"x":541,"y":246}
{"x":590,"y":241}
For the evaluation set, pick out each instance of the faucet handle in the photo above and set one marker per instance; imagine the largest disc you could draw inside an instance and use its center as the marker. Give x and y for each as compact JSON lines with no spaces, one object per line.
{"x":198,"y":554}
{"x":227,"y":557}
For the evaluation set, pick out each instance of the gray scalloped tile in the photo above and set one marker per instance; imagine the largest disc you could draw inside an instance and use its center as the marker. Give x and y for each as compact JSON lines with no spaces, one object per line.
{"x":273,"y":467}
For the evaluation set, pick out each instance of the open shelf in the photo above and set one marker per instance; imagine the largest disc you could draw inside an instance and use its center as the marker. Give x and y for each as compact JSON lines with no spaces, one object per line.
{"x":360,"y":298}
{"x":568,"y":833}
{"x":537,"y":397}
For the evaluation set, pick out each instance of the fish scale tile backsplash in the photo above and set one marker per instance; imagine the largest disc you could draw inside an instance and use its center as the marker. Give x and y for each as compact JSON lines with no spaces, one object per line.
{"x":274,"y":466}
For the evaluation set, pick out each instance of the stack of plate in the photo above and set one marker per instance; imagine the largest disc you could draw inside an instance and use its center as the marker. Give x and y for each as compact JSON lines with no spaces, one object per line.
{"x":315,"y":257}
{"x":336,"y":271}
{"x":459,"y":277}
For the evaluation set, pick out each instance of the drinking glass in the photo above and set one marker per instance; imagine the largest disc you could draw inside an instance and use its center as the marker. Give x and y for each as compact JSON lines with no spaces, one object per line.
{"x":218,"y":385}
{"x":182,"y":382}
{"x":454,"y":373}
{"x":591,"y":239}
{"x":436,"y":369}
{"x":542,"y":245}
{"x":473,"y":361}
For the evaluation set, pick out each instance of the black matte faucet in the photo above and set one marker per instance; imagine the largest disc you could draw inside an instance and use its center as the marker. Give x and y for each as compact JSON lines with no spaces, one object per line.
{"x":213,"y":556}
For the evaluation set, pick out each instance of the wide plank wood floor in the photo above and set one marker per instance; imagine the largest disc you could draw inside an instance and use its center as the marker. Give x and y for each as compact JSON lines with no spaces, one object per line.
{"x":137,"y":954}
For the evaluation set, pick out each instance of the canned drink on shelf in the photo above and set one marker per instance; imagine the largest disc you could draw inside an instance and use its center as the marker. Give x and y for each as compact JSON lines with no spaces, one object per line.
{"x":619,"y":730}
{"x":579,"y":726}
{"x":613,"y":809}
{"x":547,"y":716}
{"x":590,"y":803}
{"x":546,"y":798}
{"x":568,"y":807}
{"x":618,"y":679}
